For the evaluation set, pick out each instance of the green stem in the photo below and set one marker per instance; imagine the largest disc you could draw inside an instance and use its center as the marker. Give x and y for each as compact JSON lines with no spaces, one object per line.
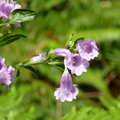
{"x":49,"y":61}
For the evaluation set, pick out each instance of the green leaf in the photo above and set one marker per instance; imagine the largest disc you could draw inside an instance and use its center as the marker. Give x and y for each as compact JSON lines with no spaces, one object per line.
{"x":10,"y":100}
{"x":20,"y":15}
{"x":92,"y":113}
{"x":18,"y":73}
{"x":31,"y":69}
{"x":9,"y":39}
{"x":29,"y":115}
{"x":71,"y":115}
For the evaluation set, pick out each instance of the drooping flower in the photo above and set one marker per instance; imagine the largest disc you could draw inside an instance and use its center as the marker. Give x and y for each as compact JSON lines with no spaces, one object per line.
{"x":66,"y":91}
{"x":77,"y":63}
{"x":6,"y":7}
{"x":39,"y":58}
{"x":74,"y":62}
{"x":87,"y":49}
{"x":6,"y":73}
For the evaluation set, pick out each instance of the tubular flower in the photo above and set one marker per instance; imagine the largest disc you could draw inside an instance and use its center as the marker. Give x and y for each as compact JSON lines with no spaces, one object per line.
{"x":6,"y":7}
{"x":87,"y":49}
{"x":67,"y":91}
{"x":62,"y":52}
{"x":77,"y":65}
{"x":6,"y":73}
{"x":74,"y":62}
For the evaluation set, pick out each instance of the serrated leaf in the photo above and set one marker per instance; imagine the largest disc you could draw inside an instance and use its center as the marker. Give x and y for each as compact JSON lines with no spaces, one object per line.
{"x":19,"y":16}
{"x":9,"y":39}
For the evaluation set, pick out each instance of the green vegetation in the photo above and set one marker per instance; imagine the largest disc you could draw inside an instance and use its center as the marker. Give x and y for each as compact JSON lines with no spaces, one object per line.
{"x":31,"y":97}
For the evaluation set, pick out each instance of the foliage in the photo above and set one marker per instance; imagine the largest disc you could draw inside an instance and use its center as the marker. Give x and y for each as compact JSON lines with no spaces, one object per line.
{"x":92,"y":113}
{"x":9,"y":39}
{"x":19,"y":16}
{"x":9,"y":104}
{"x":31,"y":97}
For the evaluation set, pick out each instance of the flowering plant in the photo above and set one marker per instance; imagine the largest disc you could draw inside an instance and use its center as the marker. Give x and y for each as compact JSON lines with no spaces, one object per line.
{"x":76,"y":54}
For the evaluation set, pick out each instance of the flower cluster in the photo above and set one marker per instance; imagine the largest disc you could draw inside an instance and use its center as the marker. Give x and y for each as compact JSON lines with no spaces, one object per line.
{"x":6,"y":7}
{"x":77,"y":63}
{"x":6,"y":73}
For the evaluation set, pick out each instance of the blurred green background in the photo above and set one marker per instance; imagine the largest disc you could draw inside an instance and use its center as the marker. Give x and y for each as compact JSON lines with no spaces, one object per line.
{"x":31,"y":97}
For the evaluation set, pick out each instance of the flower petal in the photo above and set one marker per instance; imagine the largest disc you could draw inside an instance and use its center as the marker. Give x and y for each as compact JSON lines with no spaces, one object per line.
{"x":77,"y":65}
{"x":87,"y":49}
{"x":7,"y":7}
{"x":39,"y":58}
{"x":62,"y":52}
{"x":6,"y":73}
{"x":67,"y":91}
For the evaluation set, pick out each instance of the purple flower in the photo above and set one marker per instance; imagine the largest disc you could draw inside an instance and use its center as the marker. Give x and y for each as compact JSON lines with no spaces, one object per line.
{"x":6,"y":73}
{"x":62,"y":52}
{"x":74,"y":62}
{"x":77,"y":65}
{"x":87,"y":49}
{"x":39,"y":58}
{"x":67,"y":91}
{"x":6,"y":7}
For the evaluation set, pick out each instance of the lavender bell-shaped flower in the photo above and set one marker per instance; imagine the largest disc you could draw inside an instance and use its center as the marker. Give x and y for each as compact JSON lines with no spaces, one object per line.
{"x":87,"y":49}
{"x":77,"y":65}
{"x":6,"y":7}
{"x":67,"y":91}
{"x":74,"y":62}
{"x":6,"y":73}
